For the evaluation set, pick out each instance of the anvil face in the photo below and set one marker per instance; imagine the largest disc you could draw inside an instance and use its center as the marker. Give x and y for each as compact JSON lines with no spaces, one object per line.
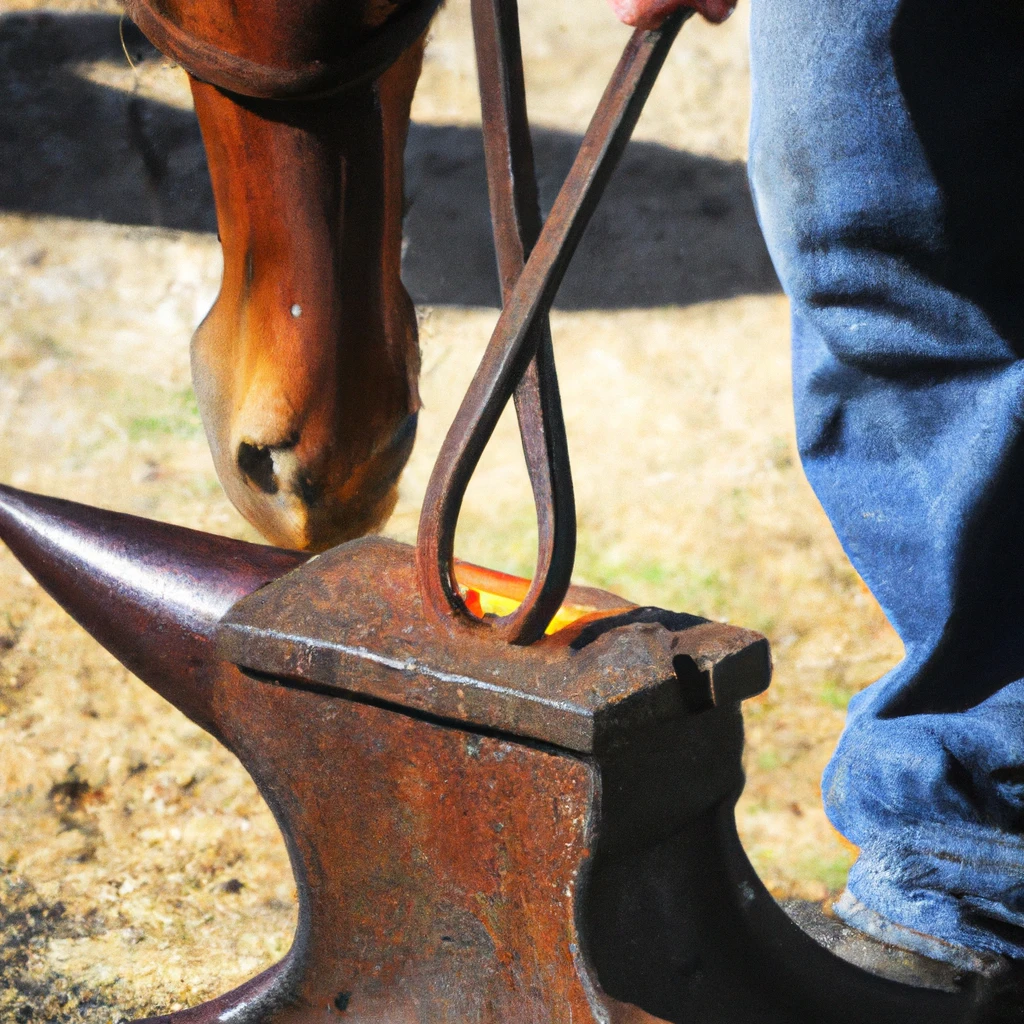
{"x":478,"y":832}
{"x":352,"y":620}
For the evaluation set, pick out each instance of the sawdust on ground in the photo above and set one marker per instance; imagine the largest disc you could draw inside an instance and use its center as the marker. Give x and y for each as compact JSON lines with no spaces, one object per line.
{"x":139,"y":869}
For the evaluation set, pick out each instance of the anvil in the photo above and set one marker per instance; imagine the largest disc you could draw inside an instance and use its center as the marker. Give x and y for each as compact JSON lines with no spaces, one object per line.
{"x":478,"y":831}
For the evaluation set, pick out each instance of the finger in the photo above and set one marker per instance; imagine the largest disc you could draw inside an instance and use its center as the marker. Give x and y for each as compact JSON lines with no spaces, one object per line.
{"x":650,"y":13}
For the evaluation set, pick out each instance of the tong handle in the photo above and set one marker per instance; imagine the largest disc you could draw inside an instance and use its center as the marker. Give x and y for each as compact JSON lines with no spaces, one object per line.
{"x":516,"y":220}
{"x":519,"y":358}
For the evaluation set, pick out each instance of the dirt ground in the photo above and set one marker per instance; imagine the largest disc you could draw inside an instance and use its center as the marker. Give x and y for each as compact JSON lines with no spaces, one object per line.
{"x":139,"y":870}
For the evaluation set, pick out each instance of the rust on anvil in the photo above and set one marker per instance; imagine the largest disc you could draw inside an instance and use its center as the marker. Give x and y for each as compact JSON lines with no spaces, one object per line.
{"x":451,"y":868}
{"x":351,"y":619}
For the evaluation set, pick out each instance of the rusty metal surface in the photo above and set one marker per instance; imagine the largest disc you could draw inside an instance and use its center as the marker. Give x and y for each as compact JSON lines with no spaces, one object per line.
{"x":438,"y":869}
{"x":352,"y":620}
{"x":449,"y":874}
{"x":520,"y":329}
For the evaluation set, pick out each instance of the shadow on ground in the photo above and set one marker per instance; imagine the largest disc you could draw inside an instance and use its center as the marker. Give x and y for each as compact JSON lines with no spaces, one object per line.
{"x":673,"y":228}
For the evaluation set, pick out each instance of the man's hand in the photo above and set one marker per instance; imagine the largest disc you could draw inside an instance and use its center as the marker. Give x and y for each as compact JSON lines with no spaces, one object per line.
{"x":651,"y":13}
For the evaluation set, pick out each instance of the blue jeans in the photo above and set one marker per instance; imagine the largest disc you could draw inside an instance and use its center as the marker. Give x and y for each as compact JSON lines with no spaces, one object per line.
{"x":887,"y":162}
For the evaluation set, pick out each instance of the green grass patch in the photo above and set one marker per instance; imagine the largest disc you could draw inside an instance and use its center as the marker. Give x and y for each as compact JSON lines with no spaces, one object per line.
{"x":177,"y":416}
{"x":780,"y":453}
{"x":830,"y":871}
{"x":835,"y":695}
{"x":502,"y":538}
{"x":680,"y":587}
{"x":505,"y":538}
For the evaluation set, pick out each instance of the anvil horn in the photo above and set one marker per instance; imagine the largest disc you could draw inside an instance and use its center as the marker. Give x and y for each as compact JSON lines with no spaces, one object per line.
{"x":149,"y":592}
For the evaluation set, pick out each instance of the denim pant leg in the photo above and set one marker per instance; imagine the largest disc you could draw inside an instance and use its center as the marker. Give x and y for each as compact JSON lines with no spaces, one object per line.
{"x":887,"y":161}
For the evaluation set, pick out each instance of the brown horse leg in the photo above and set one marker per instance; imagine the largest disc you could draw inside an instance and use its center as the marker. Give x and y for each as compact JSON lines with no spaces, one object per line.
{"x":306,"y":366}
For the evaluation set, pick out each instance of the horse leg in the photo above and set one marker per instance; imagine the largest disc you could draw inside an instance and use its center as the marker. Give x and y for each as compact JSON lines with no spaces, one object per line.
{"x":306,"y":366}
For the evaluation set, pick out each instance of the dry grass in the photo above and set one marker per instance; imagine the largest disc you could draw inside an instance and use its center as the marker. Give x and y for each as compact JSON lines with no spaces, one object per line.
{"x":138,"y":866}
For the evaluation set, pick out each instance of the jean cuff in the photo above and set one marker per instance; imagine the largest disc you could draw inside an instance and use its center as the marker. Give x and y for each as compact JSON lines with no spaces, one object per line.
{"x":863,"y":918}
